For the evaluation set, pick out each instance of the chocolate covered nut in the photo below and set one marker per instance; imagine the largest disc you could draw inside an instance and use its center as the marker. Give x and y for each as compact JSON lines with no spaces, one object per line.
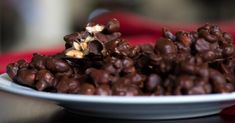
{"x":98,"y":76}
{"x":182,"y":48}
{"x":202,"y":71}
{"x":208,"y":55}
{"x":57,"y":65}
{"x":158,"y":91}
{"x":128,"y":71}
{"x":187,"y":68}
{"x":204,"y":27}
{"x":117,"y":63}
{"x":38,"y":61}
{"x":44,"y":79}
{"x":110,"y":69}
{"x":168,"y":85}
{"x":215,"y":30}
{"x":218,"y":81}
{"x":76,"y":37}
{"x":22,"y":64}
{"x":230,"y":87}
{"x":227,"y":37}
{"x":127,"y":62}
{"x":103,"y":90}
{"x":193,"y":35}
{"x":68,"y":85}
{"x":118,"y":47}
{"x":113,"y":36}
{"x":107,"y":37}
{"x":72,"y":37}
{"x":133,"y":91}
{"x":197,"y":90}
{"x":12,"y":70}
{"x":113,"y":26}
{"x":228,"y":50}
{"x":165,"y":46}
{"x":137,"y":79}
{"x":152,"y":82}
{"x":211,"y":38}
{"x":147,"y":48}
{"x":167,"y":34}
{"x":122,"y":89}
{"x":134,"y":51}
{"x":184,"y":38}
{"x":68,"y":73}
{"x":184,"y":83}
{"x":26,"y":77}
{"x":202,"y":45}
{"x":87,"y":89}
{"x":95,"y":47}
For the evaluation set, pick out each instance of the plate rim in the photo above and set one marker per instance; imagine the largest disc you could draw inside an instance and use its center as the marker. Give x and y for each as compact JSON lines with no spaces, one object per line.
{"x":113,"y":99}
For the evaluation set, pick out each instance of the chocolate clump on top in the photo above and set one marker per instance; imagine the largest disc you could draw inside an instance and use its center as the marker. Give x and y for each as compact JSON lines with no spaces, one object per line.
{"x":98,"y":61}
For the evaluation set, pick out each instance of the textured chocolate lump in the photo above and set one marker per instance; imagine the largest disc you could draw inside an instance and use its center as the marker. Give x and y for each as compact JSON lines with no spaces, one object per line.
{"x":98,"y":61}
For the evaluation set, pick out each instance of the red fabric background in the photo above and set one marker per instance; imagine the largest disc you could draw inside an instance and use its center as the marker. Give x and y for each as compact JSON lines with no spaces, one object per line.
{"x":136,"y":29}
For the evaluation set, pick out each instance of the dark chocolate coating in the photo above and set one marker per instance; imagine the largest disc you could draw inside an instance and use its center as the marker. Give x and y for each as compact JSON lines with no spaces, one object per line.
{"x":181,"y":63}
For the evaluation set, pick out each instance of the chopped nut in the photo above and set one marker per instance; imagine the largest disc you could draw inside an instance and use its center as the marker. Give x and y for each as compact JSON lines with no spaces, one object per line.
{"x":74,"y":53}
{"x":80,"y":49}
{"x":83,"y":45}
{"x":76,"y":46}
{"x":89,"y":38}
{"x":96,"y":28}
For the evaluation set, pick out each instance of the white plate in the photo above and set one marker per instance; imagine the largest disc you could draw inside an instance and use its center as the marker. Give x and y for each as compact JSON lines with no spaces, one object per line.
{"x":141,"y":107}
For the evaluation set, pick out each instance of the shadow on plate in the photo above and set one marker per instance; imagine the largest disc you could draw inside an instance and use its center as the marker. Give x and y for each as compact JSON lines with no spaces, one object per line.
{"x":65,"y":117}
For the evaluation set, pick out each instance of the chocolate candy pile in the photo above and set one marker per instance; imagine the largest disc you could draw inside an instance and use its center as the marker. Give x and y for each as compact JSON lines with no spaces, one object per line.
{"x":97,"y":61}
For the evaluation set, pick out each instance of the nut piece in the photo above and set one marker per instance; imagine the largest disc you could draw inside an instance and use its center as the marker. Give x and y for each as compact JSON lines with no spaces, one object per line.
{"x":94,"y":29}
{"x":84,"y":45}
{"x":76,"y":46}
{"x":89,"y":38}
{"x":80,"y":46}
{"x":74,"y":53}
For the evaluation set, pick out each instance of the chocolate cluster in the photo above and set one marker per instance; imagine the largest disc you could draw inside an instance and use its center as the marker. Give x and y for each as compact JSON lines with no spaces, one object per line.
{"x":98,"y":61}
